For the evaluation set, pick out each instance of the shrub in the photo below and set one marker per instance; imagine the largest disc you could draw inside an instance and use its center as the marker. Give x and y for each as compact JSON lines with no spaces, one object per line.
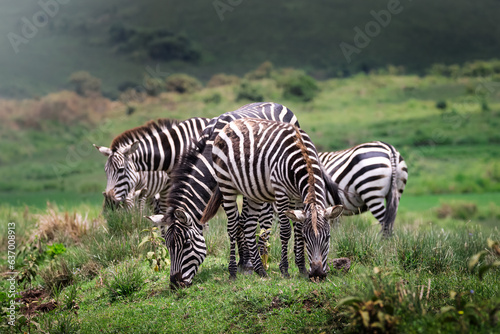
{"x":441,"y":105}
{"x":263,"y":71}
{"x":457,"y":210}
{"x":248,"y":91}
{"x":222,"y":79}
{"x":300,"y":87}
{"x":214,"y":98}
{"x":182,"y":83}
{"x":123,"y":280}
{"x":153,"y":86}
{"x":55,"y":249}
{"x":85,"y":84}
{"x":172,"y":48}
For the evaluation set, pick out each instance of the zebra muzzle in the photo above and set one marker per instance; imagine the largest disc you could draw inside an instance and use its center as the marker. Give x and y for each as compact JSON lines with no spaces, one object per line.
{"x":317,"y":270}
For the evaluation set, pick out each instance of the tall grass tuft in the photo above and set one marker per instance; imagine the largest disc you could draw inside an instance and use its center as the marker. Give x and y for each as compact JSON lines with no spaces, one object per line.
{"x":123,"y":280}
{"x":58,"y":226}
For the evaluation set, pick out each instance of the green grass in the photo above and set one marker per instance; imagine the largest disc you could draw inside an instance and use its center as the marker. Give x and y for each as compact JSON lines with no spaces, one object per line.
{"x":124,"y":295}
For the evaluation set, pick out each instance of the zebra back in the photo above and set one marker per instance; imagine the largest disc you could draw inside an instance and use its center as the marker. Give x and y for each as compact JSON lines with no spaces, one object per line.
{"x":192,"y":179}
{"x":155,"y":146}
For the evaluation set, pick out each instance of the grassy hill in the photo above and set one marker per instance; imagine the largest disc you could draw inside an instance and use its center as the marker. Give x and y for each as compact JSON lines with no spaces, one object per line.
{"x":89,"y":273}
{"x":446,"y":133}
{"x":293,"y":33}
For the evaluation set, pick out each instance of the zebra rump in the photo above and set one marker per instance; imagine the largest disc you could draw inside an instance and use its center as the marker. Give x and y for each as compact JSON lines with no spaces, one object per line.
{"x":367,"y":174}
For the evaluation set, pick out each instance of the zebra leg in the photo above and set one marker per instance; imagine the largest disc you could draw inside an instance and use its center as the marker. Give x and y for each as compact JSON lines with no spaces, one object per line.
{"x":285,"y":233}
{"x":299,"y":244}
{"x":250,"y":230}
{"x":231,"y":208}
{"x":245,"y":263}
{"x":298,"y":247}
{"x":377,"y":207}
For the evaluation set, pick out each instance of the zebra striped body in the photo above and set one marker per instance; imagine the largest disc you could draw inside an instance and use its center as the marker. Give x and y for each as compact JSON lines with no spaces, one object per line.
{"x":192,"y":187}
{"x":367,"y":174}
{"x":270,"y":161}
{"x":154,"y":148}
{"x":150,"y":187}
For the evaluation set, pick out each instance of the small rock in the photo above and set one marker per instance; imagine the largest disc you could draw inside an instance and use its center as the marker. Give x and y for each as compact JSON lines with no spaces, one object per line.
{"x":341,"y":263}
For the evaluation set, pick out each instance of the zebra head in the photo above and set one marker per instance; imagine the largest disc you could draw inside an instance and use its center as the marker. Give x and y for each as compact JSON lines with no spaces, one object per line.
{"x":120,"y":172}
{"x":185,"y":243}
{"x":316,"y":232}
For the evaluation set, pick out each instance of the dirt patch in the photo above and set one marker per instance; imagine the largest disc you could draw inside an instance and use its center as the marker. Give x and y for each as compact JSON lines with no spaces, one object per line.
{"x":310,"y":304}
{"x":32,"y":301}
{"x":276,"y":303}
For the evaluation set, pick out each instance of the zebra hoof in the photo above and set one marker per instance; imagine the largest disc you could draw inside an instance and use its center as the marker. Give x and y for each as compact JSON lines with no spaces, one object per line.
{"x":262,"y":273}
{"x":285,"y":275}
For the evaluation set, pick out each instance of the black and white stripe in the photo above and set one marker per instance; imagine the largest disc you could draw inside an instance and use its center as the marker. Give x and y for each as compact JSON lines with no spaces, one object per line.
{"x":269,"y":161}
{"x":153,"y":148}
{"x":368,"y":175}
{"x":192,"y":187}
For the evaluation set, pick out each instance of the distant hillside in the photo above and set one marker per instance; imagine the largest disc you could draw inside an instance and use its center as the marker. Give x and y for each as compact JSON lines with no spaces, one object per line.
{"x":206,"y":37}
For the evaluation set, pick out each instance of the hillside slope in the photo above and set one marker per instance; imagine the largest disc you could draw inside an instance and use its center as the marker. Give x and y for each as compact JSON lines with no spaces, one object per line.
{"x":234,"y":39}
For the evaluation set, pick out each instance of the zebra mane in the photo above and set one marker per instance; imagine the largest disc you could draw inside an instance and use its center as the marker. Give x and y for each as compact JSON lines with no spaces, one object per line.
{"x":311,"y":194}
{"x":129,"y":136}
{"x":181,"y":174}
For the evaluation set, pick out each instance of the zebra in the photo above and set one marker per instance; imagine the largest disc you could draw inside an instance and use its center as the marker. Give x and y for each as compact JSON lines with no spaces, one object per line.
{"x":155,"y":146}
{"x":192,"y":186}
{"x":149,"y":187}
{"x":367,"y":174}
{"x":269,"y":161}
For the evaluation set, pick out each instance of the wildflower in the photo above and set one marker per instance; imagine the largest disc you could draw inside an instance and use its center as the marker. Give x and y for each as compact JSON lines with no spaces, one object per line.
{"x":472,"y":291}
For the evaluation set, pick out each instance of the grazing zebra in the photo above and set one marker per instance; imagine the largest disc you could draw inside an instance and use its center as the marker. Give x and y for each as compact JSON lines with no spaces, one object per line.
{"x":155,"y":146}
{"x":193,"y":184}
{"x":367,"y":174}
{"x":149,"y":187}
{"x":269,"y":161}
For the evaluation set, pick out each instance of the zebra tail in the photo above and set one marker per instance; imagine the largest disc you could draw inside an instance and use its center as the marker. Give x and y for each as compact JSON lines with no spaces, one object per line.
{"x":392,"y":197}
{"x":212,"y":206}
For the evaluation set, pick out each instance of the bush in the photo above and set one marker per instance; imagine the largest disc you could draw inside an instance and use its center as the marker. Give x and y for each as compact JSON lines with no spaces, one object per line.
{"x":173,"y":48}
{"x":222,"y":79}
{"x":214,"y":98}
{"x":262,"y":72}
{"x":85,"y":84}
{"x":182,"y":83}
{"x":123,"y":280}
{"x":441,"y":105}
{"x":457,"y":210}
{"x":153,"y":86}
{"x":248,"y":91}
{"x":300,"y":87}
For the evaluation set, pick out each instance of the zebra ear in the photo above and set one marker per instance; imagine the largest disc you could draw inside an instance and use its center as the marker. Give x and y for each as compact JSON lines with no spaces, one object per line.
{"x":104,"y":150}
{"x":296,"y":215}
{"x":334,"y":211}
{"x":158,"y":220}
{"x":131,"y":148}
{"x":181,"y":215}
